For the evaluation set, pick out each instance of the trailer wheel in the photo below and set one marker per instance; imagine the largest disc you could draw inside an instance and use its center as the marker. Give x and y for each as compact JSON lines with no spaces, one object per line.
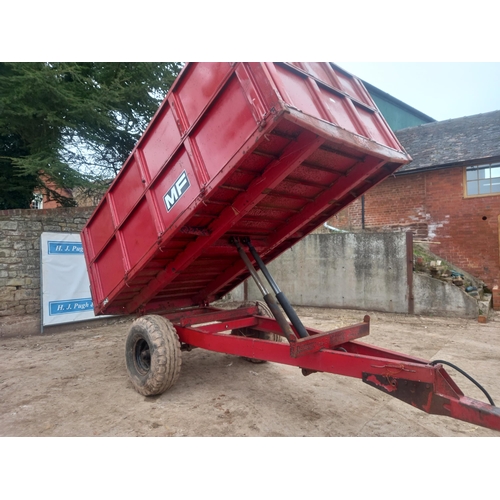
{"x":153,"y":355}
{"x":263,"y":310}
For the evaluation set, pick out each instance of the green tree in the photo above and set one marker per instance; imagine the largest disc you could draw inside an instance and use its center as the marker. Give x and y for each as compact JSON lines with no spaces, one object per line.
{"x":73,"y":124}
{"x":16,"y":189}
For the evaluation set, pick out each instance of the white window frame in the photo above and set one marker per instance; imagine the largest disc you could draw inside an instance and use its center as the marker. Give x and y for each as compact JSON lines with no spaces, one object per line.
{"x":37,"y":202}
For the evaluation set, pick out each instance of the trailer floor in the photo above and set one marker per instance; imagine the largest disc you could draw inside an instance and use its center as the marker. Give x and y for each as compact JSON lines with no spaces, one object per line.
{"x":75,"y":384}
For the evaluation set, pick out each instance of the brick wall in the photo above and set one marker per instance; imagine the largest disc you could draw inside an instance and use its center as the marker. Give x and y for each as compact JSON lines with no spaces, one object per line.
{"x":20,"y":232}
{"x":432,"y":205}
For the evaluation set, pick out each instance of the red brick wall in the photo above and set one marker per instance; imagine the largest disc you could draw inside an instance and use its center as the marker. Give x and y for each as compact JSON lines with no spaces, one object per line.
{"x":51,"y":185}
{"x":433,"y":206}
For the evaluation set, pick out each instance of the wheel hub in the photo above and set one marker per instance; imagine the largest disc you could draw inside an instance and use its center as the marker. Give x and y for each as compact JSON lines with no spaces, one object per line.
{"x":142,"y":356}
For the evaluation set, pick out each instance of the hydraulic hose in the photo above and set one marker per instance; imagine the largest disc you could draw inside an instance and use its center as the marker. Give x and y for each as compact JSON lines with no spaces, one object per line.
{"x":477,"y":384}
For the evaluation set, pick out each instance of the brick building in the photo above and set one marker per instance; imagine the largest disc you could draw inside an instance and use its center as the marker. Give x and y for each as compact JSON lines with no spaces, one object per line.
{"x":42,"y":200}
{"x":449,"y":194}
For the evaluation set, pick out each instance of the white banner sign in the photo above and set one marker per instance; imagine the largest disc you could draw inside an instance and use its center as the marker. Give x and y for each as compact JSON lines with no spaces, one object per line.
{"x":65,"y":282}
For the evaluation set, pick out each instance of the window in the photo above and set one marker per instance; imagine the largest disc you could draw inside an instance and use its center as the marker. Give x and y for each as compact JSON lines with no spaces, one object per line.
{"x":37,"y":201}
{"x":483,"y":180}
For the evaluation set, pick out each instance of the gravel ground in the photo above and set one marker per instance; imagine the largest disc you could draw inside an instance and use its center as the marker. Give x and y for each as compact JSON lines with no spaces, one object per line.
{"x":75,"y":383}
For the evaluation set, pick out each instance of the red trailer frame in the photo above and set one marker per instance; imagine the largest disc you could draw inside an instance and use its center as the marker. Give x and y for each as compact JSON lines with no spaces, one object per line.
{"x":247,"y":154}
{"x":415,"y":381}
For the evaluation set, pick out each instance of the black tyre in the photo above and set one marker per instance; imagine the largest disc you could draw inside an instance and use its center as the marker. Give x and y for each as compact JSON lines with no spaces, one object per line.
{"x":263,"y":310}
{"x":153,"y":355}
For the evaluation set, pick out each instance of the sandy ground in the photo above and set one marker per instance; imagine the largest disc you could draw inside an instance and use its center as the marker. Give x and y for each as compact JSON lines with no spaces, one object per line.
{"x":75,"y":383}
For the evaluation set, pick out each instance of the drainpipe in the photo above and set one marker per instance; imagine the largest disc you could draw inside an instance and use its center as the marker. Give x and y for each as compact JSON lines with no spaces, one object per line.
{"x":362,"y":211}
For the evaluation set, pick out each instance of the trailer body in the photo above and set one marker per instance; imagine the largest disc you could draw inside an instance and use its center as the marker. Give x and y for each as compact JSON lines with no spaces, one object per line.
{"x":264,"y":150}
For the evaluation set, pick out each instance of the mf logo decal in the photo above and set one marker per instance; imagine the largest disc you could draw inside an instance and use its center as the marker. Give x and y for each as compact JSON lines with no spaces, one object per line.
{"x":173,"y":195}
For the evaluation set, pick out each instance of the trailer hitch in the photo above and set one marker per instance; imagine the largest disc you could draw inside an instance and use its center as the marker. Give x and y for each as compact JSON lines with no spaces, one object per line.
{"x":438,"y":395}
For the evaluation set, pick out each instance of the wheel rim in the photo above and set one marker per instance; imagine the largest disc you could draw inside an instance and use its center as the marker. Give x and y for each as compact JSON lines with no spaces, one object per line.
{"x":142,"y":356}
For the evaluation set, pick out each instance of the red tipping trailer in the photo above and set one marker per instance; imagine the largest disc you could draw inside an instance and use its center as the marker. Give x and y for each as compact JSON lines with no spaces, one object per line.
{"x":256,"y":155}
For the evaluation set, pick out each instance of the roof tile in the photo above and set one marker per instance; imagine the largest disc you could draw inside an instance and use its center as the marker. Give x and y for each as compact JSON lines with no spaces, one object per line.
{"x":449,"y":142}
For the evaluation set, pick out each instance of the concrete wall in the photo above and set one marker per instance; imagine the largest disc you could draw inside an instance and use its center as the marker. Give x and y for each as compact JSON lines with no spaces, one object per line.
{"x":430,"y":294}
{"x":354,"y":271}
{"x":20,"y":232}
{"x":360,"y":271}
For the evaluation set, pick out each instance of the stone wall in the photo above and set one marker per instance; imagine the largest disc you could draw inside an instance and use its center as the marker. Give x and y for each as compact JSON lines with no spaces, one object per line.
{"x":20,"y":232}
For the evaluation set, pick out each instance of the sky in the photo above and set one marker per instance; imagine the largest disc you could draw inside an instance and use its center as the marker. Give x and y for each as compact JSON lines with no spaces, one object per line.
{"x":441,"y":90}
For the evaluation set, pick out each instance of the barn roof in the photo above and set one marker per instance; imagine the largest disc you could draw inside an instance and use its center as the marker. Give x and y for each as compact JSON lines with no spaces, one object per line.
{"x":459,"y":141}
